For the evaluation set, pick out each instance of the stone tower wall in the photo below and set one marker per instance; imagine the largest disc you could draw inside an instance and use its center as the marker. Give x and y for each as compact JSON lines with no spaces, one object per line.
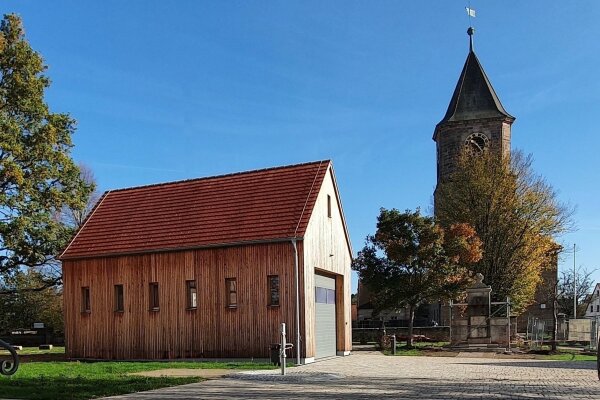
{"x":451,"y":137}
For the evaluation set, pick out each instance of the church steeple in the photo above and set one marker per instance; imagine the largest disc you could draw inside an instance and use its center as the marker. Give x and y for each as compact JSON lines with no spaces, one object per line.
{"x":474,"y":97}
{"x":475,"y":119}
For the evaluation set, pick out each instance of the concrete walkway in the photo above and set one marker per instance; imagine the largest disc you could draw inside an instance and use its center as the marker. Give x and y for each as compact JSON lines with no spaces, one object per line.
{"x":374,"y":375}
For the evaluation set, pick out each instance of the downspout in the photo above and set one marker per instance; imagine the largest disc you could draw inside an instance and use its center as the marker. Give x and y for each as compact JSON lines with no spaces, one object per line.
{"x":297,"y":276}
{"x":296,"y":269}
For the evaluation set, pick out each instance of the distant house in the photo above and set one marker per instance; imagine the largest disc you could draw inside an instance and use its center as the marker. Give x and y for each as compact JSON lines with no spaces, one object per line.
{"x":593,"y":305}
{"x":210,"y":267}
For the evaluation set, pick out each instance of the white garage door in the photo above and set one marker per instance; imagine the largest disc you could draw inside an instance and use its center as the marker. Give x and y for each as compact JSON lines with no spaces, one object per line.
{"x":325,"y":316}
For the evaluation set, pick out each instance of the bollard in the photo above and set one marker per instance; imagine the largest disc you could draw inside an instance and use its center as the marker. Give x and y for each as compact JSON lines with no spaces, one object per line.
{"x":282,"y":355}
{"x":394,"y":344}
{"x":508,"y":316}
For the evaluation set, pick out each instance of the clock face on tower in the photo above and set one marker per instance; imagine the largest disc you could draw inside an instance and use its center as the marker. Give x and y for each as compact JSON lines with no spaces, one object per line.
{"x":476,"y":143}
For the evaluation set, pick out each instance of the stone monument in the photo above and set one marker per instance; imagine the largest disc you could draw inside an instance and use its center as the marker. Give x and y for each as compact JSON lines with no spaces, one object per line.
{"x":478,"y":311}
{"x":477,"y":325}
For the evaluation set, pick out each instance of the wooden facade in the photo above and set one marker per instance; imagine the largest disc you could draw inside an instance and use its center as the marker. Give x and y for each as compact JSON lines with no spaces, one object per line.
{"x":174,"y":331}
{"x":213,"y":329}
{"x":327,"y":251}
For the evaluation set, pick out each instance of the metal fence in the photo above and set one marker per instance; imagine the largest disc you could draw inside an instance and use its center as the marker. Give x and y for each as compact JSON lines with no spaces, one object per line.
{"x":580,"y":332}
{"x":393,"y":323}
{"x":594,"y":333}
{"x":428,"y":334}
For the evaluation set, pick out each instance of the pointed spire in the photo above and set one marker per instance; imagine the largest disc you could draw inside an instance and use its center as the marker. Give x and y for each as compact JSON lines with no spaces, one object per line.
{"x":474,"y":97}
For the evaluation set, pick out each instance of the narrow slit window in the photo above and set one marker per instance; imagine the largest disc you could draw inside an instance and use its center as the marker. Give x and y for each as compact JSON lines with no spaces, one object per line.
{"x":192,"y":295}
{"x":154,"y":304}
{"x":119,"y":302}
{"x":85,"y":300}
{"x":231,"y":291}
{"x":273,"y":290}
{"x":329,"y":206}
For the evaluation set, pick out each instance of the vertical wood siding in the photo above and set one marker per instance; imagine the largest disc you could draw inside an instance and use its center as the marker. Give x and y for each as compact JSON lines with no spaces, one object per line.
{"x":211,"y":331}
{"x":326,"y":250}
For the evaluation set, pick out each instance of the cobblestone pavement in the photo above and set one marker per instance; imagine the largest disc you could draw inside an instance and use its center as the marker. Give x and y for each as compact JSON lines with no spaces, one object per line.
{"x":372,"y":375}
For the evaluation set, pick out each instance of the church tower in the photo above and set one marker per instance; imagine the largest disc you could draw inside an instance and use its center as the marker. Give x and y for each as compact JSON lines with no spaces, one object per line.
{"x":475,"y":120}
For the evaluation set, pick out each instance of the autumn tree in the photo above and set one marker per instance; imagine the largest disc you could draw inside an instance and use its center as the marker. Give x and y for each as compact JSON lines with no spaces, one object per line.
{"x":38,"y":178}
{"x":410,"y":260}
{"x":515,"y":213}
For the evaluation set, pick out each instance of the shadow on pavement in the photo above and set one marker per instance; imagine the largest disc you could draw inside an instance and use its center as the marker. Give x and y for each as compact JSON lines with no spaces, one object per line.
{"x":576,"y":365}
{"x":381,"y":388}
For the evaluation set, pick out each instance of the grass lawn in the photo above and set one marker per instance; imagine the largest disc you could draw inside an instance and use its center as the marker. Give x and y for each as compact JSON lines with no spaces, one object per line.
{"x":35,"y":351}
{"x":568,"y":357}
{"x":82,"y":380}
{"x":564,"y":354}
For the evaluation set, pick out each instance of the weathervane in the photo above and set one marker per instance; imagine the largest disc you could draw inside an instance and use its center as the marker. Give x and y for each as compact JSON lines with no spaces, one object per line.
{"x":471,"y":30}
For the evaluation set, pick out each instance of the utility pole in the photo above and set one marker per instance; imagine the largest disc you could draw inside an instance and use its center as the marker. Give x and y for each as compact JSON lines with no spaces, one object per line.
{"x":574,"y":285}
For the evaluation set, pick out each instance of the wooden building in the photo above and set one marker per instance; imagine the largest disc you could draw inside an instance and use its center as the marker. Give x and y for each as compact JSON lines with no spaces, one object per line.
{"x":210,"y":267}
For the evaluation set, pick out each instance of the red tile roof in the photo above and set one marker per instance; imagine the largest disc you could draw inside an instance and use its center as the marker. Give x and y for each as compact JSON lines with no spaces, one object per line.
{"x":267,"y":204}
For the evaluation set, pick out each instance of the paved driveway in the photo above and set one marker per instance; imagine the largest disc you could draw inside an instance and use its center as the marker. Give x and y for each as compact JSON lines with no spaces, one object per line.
{"x":373,"y":375}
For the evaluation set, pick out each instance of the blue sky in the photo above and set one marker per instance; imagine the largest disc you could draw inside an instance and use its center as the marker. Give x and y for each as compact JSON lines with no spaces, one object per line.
{"x":173,"y":90}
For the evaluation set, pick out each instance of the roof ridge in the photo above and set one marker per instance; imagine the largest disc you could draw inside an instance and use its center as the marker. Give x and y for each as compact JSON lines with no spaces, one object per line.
{"x":219,"y":176}
{"x":459,"y":86}
{"x":495,"y":96}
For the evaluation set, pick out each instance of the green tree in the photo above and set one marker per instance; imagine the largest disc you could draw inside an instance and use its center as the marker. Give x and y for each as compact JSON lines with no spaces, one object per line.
{"x":515,"y":213}
{"x":21,"y":307}
{"x":410,"y":260}
{"x":38,"y":178}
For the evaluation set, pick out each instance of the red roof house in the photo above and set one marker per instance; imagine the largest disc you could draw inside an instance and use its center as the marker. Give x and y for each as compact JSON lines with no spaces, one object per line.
{"x":210,"y":267}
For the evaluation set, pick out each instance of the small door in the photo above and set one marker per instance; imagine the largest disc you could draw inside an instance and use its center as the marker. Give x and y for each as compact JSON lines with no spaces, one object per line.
{"x":325,"y":326}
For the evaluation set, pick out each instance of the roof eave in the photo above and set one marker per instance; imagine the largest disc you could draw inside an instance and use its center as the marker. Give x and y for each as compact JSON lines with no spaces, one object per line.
{"x":507,"y":118}
{"x":176,"y":249}
{"x":339,"y":201}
